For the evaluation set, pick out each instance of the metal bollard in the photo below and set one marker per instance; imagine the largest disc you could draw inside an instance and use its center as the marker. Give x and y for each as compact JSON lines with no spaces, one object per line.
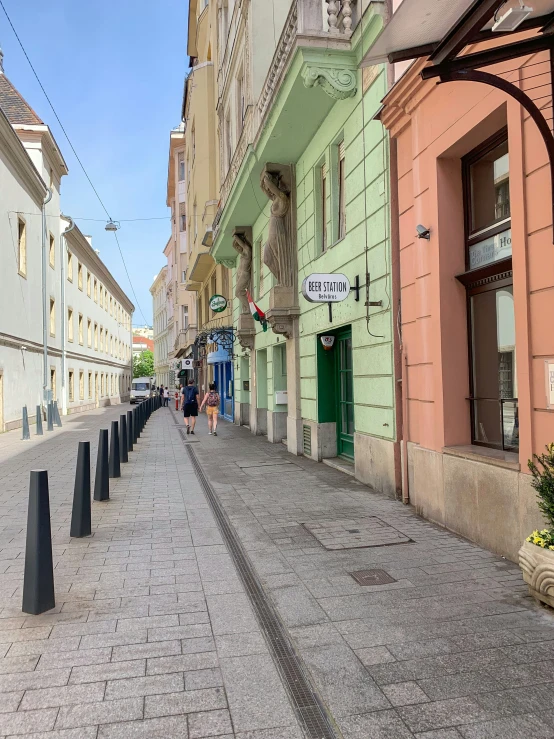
{"x":80,"y":513}
{"x":123,"y":447}
{"x":135,"y":426}
{"x":115,"y":468}
{"x":26,"y":432}
{"x":38,"y":580}
{"x":49,"y":418}
{"x":102,"y":479}
{"x":57,"y":419}
{"x":130,"y":436}
{"x":39,"y":431}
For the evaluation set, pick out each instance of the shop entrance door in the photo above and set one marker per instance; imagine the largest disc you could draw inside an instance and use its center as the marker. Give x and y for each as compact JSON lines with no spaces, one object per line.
{"x":345,"y":394}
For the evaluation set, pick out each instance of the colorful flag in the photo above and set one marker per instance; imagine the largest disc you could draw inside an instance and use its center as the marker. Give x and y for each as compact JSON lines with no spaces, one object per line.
{"x":257,"y":313}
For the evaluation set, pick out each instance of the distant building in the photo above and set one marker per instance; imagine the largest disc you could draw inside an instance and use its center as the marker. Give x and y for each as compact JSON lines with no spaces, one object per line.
{"x":161,"y":343}
{"x":145,"y":331}
{"x":66,"y":324}
{"x":142,"y":344}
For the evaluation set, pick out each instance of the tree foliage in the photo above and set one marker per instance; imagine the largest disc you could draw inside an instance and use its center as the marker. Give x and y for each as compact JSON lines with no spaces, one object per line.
{"x":543,"y":481}
{"x":143,"y":364}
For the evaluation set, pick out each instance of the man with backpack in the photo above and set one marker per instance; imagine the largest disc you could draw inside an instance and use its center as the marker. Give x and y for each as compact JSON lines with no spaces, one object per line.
{"x":211,"y":401}
{"x":189,"y":405}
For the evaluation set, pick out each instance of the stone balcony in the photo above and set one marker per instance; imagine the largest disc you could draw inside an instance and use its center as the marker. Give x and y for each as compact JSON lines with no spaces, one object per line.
{"x":184,"y":340}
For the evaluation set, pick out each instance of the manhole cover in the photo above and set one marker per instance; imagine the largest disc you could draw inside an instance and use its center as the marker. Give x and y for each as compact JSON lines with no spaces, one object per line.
{"x":372,"y":577}
{"x":355,"y":533}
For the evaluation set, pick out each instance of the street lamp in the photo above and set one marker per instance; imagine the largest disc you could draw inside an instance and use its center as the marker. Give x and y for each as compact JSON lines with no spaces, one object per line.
{"x":112,"y":226}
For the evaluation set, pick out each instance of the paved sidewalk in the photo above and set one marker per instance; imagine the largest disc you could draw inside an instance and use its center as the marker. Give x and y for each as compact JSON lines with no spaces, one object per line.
{"x":153,"y":634}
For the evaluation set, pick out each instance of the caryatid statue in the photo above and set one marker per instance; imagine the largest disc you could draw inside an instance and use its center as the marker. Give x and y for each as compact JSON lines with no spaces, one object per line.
{"x":244,"y":269}
{"x":278,"y":249}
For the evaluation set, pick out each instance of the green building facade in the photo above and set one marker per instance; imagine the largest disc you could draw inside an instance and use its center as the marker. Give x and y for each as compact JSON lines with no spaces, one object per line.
{"x":319,"y":142}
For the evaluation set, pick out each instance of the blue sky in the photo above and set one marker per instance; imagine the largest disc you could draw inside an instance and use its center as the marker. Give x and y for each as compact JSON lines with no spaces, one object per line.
{"x":114,"y":71}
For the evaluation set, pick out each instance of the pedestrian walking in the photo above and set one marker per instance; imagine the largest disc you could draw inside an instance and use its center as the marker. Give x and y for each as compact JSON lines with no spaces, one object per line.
{"x":211,"y":401}
{"x":166,"y":397}
{"x":189,"y":405}
{"x":161,"y":389}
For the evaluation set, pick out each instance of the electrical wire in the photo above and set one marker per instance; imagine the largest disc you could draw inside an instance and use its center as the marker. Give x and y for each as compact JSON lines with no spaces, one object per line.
{"x":72,"y":148}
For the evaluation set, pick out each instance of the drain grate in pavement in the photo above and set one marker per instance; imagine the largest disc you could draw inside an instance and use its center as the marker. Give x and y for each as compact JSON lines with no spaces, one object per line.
{"x":369,"y":531}
{"x":309,"y":708}
{"x":372,"y":577}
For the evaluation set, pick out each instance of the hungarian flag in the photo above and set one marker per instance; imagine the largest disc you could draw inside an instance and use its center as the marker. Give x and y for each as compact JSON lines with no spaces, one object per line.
{"x":257,"y":313}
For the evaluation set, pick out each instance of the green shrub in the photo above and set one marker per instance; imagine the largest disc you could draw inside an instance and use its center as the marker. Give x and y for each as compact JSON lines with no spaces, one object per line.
{"x":543,"y":481}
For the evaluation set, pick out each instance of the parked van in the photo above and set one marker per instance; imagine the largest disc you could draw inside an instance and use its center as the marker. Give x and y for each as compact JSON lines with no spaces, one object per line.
{"x":141,"y":389}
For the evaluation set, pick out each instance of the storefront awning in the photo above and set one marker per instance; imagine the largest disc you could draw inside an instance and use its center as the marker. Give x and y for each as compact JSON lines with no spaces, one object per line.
{"x":418,"y":26}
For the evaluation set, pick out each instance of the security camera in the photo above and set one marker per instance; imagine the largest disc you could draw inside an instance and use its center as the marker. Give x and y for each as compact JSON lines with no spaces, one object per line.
{"x":422,"y":232}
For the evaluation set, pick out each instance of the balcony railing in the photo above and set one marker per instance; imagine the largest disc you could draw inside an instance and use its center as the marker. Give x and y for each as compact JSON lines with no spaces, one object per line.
{"x":184,"y":339}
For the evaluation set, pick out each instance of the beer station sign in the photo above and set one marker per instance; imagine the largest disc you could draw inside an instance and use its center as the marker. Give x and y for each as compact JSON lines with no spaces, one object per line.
{"x":326,"y":288}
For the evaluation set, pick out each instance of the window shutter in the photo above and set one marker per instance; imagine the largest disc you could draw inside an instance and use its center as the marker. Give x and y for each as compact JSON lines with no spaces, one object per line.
{"x":341,"y":150}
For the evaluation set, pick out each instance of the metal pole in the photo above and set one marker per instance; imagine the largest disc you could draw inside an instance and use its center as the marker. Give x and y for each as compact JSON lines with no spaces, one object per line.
{"x":45,"y":312}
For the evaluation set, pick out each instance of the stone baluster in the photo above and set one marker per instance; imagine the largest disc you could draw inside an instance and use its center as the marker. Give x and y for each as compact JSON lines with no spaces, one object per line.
{"x":347,"y":17}
{"x":332,"y":19}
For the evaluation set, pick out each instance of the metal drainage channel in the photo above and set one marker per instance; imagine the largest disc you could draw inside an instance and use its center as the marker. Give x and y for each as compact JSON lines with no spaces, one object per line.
{"x":309,"y":708}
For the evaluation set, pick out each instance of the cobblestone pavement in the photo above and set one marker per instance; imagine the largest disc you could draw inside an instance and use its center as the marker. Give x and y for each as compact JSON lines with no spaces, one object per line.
{"x":153,"y":634}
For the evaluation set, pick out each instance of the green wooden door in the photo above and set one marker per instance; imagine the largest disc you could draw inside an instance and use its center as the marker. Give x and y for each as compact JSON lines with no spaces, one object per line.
{"x":345,"y":394}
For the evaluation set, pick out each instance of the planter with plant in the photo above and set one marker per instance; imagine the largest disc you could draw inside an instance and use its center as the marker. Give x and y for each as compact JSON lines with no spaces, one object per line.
{"x":536,"y":556}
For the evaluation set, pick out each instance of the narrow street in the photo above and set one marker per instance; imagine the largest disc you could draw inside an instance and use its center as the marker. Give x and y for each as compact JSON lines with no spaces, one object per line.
{"x":156,"y":633}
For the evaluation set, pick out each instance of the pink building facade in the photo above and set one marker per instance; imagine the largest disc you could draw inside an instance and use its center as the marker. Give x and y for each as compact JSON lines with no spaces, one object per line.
{"x":476,"y":295}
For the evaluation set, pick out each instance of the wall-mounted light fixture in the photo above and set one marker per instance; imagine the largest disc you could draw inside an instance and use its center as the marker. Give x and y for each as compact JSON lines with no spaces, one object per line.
{"x":511,"y":19}
{"x":422,"y":232}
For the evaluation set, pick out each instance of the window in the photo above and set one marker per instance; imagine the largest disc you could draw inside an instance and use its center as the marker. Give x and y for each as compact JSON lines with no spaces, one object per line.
{"x":71,"y":386}
{"x":101,"y":339}
{"x":53,"y":382}
{"x":225,"y":282}
{"x":101,"y":296}
{"x":52,"y":317}
{"x":21,"y":247}
{"x":181,"y":165}
{"x":195,"y":219}
{"x":182,"y":217}
{"x":105,"y":300}
{"x":70,"y":266}
{"x":80,"y":327}
{"x":79,"y":276}
{"x":95,"y":337}
{"x":342,"y":193}
{"x":111,"y":306}
{"x":228,"y":140}
{"x":51,"y":185}
{"x":52,"y":251}
{"x":489,"y":284}
{"x":185,"y":316}
{"x":102,"y":384}
{"x":90,"y":384}
{"x":88,"y":284}
{"x":81,"y":385}
{"x":89,"y":332}
{"x":323,"y":206}
{"x":240,"y":101}
{"x":193,"y":142}
{"x":70,"y":324}
{"x":95,"y":291}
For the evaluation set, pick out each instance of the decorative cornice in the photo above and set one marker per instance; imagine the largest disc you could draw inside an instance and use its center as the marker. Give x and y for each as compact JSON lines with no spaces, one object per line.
{"x":229,"y":263}
{"x":337,"y":83}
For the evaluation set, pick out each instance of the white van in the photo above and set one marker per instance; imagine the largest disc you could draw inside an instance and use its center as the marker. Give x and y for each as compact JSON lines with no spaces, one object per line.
{"x":141,"y":389}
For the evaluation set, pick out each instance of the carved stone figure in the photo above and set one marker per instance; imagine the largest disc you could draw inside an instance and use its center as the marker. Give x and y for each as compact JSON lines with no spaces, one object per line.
{"x":278,"y":254}
{"x":244,"y":269}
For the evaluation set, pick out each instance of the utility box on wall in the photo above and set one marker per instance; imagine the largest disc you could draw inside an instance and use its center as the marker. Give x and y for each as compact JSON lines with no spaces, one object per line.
{"x":281,"y":397}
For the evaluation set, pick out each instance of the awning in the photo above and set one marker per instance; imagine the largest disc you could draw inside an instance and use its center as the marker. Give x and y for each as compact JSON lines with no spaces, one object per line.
{"x":418,"y":24}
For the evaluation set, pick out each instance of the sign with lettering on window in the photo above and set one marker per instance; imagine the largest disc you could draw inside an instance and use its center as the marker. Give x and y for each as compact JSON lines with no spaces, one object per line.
{"x":549,"y":367}
{"x":491,"y":250}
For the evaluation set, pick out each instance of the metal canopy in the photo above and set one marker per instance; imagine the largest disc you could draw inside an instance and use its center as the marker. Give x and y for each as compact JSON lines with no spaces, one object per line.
{"x":419,"y":26}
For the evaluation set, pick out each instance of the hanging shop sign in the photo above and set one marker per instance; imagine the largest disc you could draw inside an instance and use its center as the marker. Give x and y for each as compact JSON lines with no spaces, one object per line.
{"x":218,"y":303}
{"x":327,"y":342}
{"x":326,"y":288}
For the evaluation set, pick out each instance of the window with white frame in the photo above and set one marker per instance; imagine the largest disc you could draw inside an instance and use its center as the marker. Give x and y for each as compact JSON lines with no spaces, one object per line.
{"x":181,"y":166}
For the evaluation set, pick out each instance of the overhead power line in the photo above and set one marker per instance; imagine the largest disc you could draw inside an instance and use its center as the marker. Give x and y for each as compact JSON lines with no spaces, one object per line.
{"x":72,"y":149}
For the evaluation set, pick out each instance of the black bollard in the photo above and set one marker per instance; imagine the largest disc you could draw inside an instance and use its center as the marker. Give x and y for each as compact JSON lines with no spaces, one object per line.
{"x":115,"y":468}
{"x":57,"y":419}
{"x":123,"y":447}
{"x":135,"y":426}
{"x":130,"y":432}
{"x":102,"y":480}
{"x":80,"y":514}
{"x":39,"y":431}
{"x":26,"y":432}
{"x":38,"y":580}
{"x":49,"y":418}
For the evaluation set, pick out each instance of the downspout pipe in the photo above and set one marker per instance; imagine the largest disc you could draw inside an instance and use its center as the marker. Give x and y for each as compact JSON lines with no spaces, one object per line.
{"x":45,"y":312}
{"x":63,"y":250}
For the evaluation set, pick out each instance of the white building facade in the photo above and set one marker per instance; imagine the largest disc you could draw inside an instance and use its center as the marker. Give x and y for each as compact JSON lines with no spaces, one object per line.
{"x":161,"y":337}
{"x":44,"y":314}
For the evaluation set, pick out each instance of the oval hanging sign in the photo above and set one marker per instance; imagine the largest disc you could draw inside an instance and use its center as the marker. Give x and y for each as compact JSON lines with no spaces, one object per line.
{"x":324,"y":288}
{"x":218,"y":303}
